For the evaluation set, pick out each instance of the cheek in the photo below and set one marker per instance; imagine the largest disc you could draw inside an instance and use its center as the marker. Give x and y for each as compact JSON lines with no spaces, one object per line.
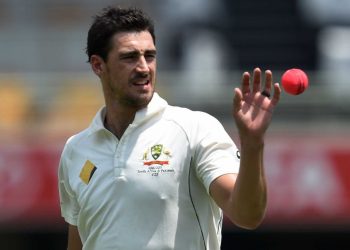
{"x":154,"y":65}
{"x":119,"y":76}
{"x":153,"y":68}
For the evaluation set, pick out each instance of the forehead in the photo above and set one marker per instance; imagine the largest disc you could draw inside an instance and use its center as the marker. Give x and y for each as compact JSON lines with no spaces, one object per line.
{"x":126,"y":41}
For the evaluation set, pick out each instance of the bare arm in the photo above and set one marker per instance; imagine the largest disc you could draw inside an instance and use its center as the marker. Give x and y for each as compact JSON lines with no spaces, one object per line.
{"x":74,"y":241}
{"x":243,"y":197}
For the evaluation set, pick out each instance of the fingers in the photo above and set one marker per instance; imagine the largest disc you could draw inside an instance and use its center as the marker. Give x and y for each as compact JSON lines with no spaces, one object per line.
{"x":246,"y":83}
{"x":260,"y":96}
{"x":268,"y":81}
{"x":237,"y":100}
{"x":256,"y":80}
{"x":257,"y":75}
{"x":276,"y":94}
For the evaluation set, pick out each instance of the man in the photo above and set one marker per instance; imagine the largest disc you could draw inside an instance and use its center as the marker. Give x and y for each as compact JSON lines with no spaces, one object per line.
{"x":147,"y":175}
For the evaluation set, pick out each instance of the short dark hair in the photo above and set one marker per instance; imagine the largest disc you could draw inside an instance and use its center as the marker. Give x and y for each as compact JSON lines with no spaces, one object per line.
{"x":111,"y":21}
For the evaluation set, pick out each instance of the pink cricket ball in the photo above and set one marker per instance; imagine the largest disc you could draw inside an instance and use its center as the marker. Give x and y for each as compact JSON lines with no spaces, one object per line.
{"x":295,"y":81}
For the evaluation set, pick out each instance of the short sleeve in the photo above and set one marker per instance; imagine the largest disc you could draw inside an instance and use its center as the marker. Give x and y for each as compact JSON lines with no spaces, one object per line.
{"x":68,"y":203}
{"x":215,"y":152}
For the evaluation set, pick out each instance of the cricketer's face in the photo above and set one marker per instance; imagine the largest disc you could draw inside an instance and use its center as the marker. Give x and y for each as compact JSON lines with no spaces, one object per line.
{"x":129,"y":73}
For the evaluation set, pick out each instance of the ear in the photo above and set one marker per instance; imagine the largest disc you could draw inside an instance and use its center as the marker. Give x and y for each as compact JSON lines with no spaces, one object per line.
{"x":97,"y":64}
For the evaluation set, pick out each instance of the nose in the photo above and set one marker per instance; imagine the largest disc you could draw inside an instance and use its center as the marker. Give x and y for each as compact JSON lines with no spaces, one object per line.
{"x":142,"y":65}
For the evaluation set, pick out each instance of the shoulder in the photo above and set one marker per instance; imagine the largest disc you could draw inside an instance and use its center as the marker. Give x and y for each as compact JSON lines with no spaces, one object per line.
{"x":185,"y":115}
{"x":194,"y":123}
{"x":73,"y":142}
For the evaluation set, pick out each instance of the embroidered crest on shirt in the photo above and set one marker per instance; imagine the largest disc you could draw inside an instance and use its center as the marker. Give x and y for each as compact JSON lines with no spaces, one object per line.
{"x":156,"y":159}
{"x":156,"y":151}
{"x":87,"y":172}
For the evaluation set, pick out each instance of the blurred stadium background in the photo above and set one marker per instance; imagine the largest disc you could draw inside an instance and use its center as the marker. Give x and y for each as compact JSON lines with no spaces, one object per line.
{"x":47,"y":93}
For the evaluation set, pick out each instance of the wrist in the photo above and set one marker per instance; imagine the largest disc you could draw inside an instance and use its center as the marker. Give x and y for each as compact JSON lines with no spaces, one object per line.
{"x":252,"y":142}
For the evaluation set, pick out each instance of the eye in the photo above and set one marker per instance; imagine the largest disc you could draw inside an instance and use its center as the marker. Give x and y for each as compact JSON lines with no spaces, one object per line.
{"x":150,"y":57}
{"x":128,"y":57}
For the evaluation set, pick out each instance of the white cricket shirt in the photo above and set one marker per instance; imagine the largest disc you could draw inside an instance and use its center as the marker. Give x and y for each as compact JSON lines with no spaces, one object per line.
{"x":150,"y":189}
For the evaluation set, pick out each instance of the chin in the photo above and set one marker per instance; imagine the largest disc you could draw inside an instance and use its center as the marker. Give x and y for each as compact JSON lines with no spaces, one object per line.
{"x":148,"y":97}
{"x":143,"y":99}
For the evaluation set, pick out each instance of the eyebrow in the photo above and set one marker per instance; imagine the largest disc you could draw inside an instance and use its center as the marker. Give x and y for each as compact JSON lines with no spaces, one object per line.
{"x":151,"y":51}
{"x":137,"y":53}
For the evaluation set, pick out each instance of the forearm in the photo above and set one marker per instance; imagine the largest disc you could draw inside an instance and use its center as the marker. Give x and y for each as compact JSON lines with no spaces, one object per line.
{"x":252,"y":111}
{"x":249,"y":197}
{"x":74,"y":241}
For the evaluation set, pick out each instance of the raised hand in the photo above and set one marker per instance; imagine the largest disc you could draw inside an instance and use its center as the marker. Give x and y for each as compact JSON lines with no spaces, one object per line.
{"x":253,"y":108}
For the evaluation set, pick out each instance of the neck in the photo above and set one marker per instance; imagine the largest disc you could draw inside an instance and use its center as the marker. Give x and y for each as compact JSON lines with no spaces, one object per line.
{"x":118,"y":119}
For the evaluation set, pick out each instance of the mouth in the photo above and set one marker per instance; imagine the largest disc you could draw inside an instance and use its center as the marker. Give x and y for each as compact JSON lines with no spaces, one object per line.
{"x":143,"y":82}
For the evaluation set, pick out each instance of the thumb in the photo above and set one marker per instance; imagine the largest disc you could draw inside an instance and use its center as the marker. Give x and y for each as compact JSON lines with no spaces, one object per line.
{"x":237,"y":100}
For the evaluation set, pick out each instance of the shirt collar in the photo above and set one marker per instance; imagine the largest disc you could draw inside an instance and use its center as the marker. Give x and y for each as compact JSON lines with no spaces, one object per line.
{"x":156,"y":105}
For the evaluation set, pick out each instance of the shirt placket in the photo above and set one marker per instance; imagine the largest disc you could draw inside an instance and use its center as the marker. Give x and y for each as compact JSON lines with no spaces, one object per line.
{"x":119,"y":157}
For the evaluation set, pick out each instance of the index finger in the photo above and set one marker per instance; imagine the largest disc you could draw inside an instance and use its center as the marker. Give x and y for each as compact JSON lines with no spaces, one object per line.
{"x":245,"y":83}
